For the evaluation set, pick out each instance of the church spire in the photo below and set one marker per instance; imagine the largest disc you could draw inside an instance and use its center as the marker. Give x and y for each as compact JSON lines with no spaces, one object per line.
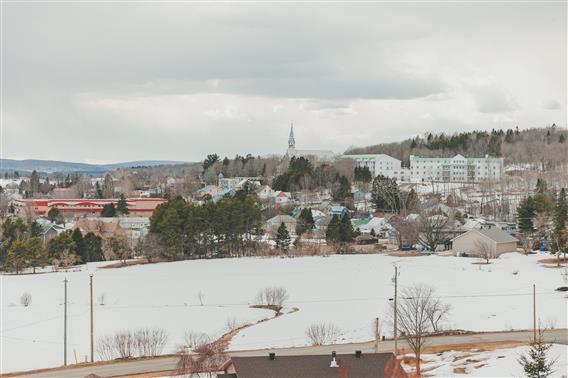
{"x":291,"y":141}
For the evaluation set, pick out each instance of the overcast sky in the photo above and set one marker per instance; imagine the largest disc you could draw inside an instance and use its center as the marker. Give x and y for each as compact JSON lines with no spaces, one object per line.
{"x":104,"y":82}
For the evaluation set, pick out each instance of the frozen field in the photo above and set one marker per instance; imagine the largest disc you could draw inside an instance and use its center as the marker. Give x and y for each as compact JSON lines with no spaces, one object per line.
{"x":349,"y":291}
{"x":495,"y":363}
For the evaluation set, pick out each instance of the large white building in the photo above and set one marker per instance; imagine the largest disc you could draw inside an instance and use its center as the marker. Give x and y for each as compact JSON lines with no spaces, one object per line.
{"x":456,"y":169}
{"x":442,"y":169}
{"x":319,"y":154}
{"x":378,"y":164}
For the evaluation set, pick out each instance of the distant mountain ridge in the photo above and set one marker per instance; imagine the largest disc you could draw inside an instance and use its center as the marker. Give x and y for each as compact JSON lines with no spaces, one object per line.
{"x":52,"y":166}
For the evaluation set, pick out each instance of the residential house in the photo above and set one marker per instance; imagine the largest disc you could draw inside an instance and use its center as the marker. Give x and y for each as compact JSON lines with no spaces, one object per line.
{"x":273,"y":223}
{"x":340,"y":211}
{"x":475,"y":240}
{"x":356,"y":365}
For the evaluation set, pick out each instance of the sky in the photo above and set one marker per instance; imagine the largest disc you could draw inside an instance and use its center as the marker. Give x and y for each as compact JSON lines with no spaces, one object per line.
{"x":107,"y":82}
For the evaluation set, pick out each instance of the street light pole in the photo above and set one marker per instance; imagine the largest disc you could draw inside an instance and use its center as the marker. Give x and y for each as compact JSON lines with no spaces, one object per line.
{"x":395,"y":310}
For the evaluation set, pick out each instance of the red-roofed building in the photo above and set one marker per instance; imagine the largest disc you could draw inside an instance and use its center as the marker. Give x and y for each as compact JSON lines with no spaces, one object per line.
{"x":138,"y":207}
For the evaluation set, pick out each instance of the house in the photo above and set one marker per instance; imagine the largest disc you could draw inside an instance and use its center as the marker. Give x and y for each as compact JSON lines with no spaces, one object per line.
{"x":340,"y":211}
{"x":273,"y":223}
{"x":264,"y":192}
{"x":282,"y":198}
{"x":472,"y":242}
{"x":356,"y":365}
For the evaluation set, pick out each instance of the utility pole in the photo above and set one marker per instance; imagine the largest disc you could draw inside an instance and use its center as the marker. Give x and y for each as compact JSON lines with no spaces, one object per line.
{"x":65,"y":323}
{"x":92,"y":329}
{"x":534,"y":312}
{"x":395,"y":310}
{"x":377,"y":335}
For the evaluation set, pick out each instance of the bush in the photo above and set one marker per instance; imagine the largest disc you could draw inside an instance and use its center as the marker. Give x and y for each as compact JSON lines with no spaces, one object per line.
{"x":322,"y":333}
{"x":26,"y":299}
{"x":127,"y":344}
{"x":272,"y":296}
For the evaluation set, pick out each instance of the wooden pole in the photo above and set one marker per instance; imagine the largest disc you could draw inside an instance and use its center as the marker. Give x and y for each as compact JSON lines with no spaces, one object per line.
{"x":395,"y":310}
{"x":92,"y":328}
{"x":377,"y":335}
{"x":65,"y":323}
{"x":534,"y":312}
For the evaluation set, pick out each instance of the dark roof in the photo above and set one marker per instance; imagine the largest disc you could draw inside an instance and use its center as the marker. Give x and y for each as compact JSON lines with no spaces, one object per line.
{"x":316,"y":366}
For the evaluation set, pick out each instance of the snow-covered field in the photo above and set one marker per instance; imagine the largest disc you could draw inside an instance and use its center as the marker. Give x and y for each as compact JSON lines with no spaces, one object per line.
{"x":495,"y":363}
{"x":349,"y":291}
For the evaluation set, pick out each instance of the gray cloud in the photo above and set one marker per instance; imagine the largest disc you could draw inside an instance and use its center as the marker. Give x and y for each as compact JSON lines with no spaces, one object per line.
{"x":181,"y":80}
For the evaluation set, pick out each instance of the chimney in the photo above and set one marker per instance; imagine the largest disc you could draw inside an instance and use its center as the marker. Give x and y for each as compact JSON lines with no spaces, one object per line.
{"x":333,"y":363}
{"x":271,"y":356}
{"x":358,"y":354}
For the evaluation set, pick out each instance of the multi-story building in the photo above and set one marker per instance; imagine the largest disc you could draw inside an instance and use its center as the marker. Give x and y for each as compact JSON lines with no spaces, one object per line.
{"x":455,"y":169}
{"x":378,"y":164}
{"x":141,"y":207}
{"x":443,"y":169}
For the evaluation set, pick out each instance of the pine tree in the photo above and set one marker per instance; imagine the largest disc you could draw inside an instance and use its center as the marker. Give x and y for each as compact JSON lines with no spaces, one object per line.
{"x":537,"y":364}
{"x":560,"y":218}
{"x":92,"y":247}
{"x":16,"y":257}
{"x":54,"y":215}
{"x":34,"y":183}
{"x":541,"y":186}
{"x":77,"y":237}
{"x":108,"y":211}
{"x":122,"y":207}
{"x":282,"y":237}
{"x":332,"y":232}
{"x":98,"y":190}
{"x":525,"y":215}
{"x":36,"y":254}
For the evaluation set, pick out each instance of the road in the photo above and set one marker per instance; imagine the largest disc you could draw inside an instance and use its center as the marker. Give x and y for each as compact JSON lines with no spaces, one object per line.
{"x":158,"y":364}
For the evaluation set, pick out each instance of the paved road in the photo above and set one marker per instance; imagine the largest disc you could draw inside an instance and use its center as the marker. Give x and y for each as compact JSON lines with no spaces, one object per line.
{"x":169,"y":363}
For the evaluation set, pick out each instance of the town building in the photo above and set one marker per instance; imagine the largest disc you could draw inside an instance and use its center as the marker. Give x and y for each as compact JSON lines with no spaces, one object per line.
{"x":137,"y":207}
{"x":456,"y":169}
{"x":474,"y":241}
{"x":318,"y":154}
{"x":356,"y":365}
{"x":427,"y":169}
{"x":378,"y":164}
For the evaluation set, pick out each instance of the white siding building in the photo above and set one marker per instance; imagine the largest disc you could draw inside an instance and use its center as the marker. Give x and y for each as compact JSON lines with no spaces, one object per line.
{"x":443,"y":169}
{"x":378,"y":164}
{"x":455,"y":169}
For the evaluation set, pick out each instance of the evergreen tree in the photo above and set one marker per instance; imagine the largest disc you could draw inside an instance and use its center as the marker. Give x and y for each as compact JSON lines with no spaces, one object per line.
{"x":34,"y":182}
{"x":525,"y":214}
{"x":561,"y":138}
{"x":122,"y":208}
{"x":537,"y":364}
{"x":541,"y":186}
{"x":282,"y":237}
{"x":305,"y":221}
{"x":36,"y":254}
{"x":560,"y":218}
{"x":16,"y":257}
{"x":60,"y":244}
{"x":340,"y":189}
{"x":108,"y":187}
{"x":345,"y":230}
{"x":35,"y":229}
{"x":209,"y":161}
{"x":54,"y":215}
{"x":363,"y":174}
{"x":108,"y":211}
{"x":332,"y":232}
{"x":98,"y":190}
{"x":92,"y":248}
{"x":77,"y":237}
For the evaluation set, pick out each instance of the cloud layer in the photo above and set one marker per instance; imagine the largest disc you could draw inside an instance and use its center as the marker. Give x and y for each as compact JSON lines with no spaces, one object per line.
{"x":109,"y":82}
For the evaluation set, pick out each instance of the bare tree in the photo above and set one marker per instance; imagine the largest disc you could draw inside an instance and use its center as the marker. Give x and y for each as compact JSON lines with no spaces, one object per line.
{"x":484,"y":250}
{"x":150,"y":341}
{"x":105,"y":348}
{"x":200,"y":356}
{"x":526,"y":241}
{"x":272,"y":296}
{"x":438,"y":313}
{"x":417,"y":311}
{"x":431,"y":226}
{"x":200,"y":297}
{"x":406,"y":231}
{"x":322,"y":333}
{"x":26,"y":299}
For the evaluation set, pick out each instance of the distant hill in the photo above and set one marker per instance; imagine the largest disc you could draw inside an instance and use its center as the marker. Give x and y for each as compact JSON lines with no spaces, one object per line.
{"x":53,"y":166}
{"x":546,"y":146}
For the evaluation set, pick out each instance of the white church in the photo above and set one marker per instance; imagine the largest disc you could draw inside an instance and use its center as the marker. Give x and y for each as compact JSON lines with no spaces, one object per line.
{"x":319,"y":154}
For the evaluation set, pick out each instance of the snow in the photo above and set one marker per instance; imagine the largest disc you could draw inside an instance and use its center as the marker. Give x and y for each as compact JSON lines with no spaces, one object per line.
{"x":495,"y":363}
{"x":347,"y":290}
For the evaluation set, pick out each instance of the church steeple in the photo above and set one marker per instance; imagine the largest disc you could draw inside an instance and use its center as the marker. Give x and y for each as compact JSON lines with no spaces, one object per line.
{"x":291,"y":141}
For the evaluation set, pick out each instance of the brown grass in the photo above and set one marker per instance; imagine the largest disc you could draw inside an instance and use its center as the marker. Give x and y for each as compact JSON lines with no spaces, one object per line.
{"x":459,"y":370}
{"x":480,"y":347}
{"x":404,"y":254}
